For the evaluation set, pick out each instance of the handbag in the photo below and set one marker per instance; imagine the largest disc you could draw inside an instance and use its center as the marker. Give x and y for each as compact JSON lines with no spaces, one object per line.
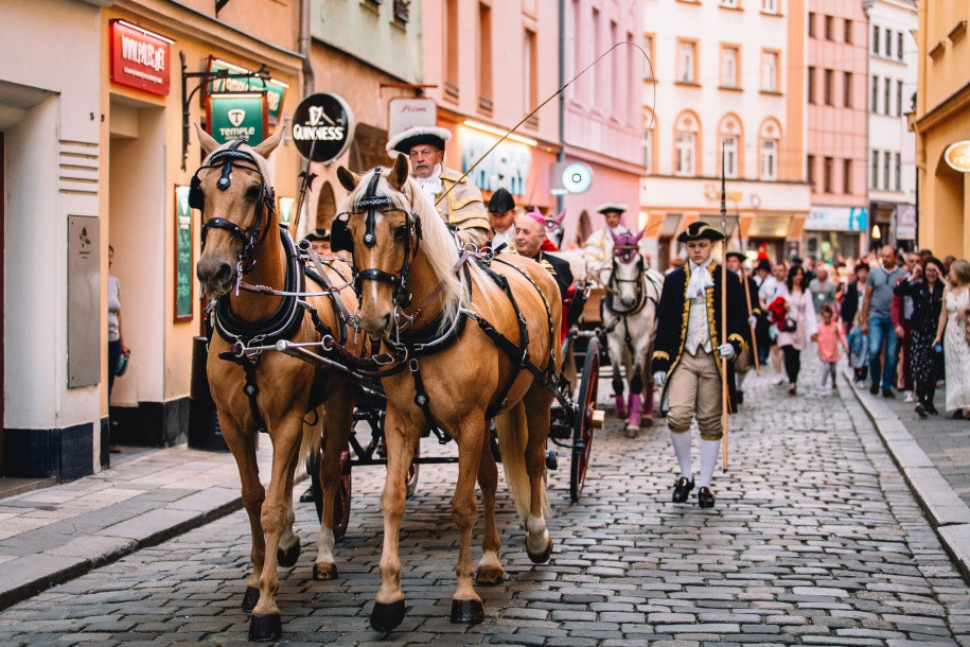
{"x":790,"y":324}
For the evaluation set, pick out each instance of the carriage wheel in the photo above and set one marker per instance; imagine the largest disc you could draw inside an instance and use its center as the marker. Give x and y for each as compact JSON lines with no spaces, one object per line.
{"x":341,"y":508}
{"x":583,"y":424}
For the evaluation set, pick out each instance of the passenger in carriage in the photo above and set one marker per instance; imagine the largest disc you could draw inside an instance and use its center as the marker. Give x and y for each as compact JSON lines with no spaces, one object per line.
{"x":320,"y":242}
{"x":501,"y":216}
{"x":463,"y":207}
{"x":688,"y":351}
{"x":530,"y":233}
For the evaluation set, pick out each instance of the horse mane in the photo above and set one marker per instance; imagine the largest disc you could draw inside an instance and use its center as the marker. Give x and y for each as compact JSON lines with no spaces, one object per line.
{"x":438,"y":243}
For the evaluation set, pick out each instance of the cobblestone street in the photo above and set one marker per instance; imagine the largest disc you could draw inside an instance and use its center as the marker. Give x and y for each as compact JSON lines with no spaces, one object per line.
{"x":815,"y":540}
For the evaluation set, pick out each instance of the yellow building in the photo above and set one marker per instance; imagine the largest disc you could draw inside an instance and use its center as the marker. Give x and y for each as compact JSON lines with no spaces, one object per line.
{"x":942,"y":119}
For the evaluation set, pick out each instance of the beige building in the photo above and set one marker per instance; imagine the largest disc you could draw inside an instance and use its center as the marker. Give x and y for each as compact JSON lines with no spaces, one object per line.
{"x":941,"y":120}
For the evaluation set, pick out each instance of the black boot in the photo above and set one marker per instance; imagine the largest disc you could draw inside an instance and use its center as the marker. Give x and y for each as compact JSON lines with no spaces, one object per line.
{"x":705,"y":498}
{"x":682,"y":488}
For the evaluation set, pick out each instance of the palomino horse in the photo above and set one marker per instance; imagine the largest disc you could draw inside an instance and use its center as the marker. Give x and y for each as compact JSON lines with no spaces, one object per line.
{"x":630,"y":323}
{"x":471,"y":342}
{"x":267,"y":390}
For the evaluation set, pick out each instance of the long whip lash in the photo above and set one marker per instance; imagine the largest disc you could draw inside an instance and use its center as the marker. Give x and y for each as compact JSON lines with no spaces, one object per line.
{"x":550,"y":98}
{"x":724,"y":384}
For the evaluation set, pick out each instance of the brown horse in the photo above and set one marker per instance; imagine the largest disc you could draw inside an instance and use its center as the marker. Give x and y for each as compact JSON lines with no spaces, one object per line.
{"x":242,"y":235}
{"x":416,"y":299}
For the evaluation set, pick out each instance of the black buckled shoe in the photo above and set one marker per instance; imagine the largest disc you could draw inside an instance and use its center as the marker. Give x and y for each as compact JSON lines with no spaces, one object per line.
{"x":705,"y":498}
{"x":682,"y":488}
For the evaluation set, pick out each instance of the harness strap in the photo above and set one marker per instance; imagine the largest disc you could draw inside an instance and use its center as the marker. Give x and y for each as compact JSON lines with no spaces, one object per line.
{"x":250,"y":389}
{"x":423,"y":401}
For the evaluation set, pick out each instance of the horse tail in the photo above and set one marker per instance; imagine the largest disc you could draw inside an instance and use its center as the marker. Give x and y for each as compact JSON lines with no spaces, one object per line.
{"x":513,"y":437}
{"x":312,"y":433}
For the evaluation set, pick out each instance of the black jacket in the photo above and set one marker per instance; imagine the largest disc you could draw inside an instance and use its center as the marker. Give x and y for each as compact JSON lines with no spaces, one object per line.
{"x":850,"y":304}
{"x":926,"y":306}
{"x":672,"y":317}
{"x":559,"y":270}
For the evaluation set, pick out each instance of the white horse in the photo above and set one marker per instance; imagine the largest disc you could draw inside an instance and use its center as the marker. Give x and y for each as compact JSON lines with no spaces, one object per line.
{"x":630,"y":324}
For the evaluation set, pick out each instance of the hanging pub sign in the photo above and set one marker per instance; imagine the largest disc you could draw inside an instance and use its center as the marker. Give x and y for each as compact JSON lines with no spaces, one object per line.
{"x":237,"y":116}
{"x":140,"y":58}
{"x":957,"y":156}
{"x":323,"y":127}
{"x":275,"y":90}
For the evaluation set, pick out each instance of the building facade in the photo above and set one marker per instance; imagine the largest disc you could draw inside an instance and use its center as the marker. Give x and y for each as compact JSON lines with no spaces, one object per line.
{"x":892,"y":147}
{"x":836,"y":125}
{"x":709,"y":90}
{"x":941,"y":122}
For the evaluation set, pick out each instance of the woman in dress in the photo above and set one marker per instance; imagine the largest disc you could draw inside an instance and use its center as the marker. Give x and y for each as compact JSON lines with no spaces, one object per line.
{"x":800,"y":313}
{"x":925,"y":287}
{"x":952,"y":331}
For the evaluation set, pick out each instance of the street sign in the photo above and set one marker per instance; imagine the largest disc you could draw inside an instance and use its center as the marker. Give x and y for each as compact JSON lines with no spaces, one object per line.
{"x":140,"y":58}
{"x":237,"y":116}
{"x":410,"y":112}
{"x":958,"y":156}
{"x":323,"y":126}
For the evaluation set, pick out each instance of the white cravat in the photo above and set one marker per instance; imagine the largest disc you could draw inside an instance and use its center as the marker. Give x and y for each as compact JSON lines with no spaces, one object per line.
{"x":698,"y":330}
{"x":431,"y":185}
{"x":700,"y":280}
{"x":507,"y":237}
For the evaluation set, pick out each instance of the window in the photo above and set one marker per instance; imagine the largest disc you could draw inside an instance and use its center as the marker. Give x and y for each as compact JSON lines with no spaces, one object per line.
{"x":811,"y":24}
{"x":874,"y":170}
{"x":829,"y":28}
{"x":614,"y":79}
{"x":595,"y":91}
{"x":847,"y":176}
{"x":811,"y":84}
{"x":649,"y":128}
{"x":769,"y":71}
{"x":847,"y":89}
{"x":886,"y":164}
{"x":899,"y":45}
{"x":769,"y":6}
{"x":887,"y":105}
{"x":450,"y":48}
{"x":899,"y":98}
{"x":576,"y":91}
{"x":649,"y":63}
{"x":875,"y":95}
{"x":685,"y":154}
{"x":899,"y":172}
{"x":829,"y":76}
{"x":770,"y":135}
{"x":731,"y":145}
{"x":485,"y":57}
{"x":729,"y":66}
{"x":889,"y":43}
{"x":810,"y":170}
{"x":875,"y":39}
{"x":827,"y":179}
{"x":530,"y":72}
{"x":687,"y":62}
{"x":730,"y":4}
{"x":847,"y":31}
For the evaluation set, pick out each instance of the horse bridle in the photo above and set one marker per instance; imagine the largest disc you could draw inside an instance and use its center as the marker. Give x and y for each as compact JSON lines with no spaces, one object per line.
{"x":369,"y":206}
{"x":226,"y":159}
{"x":639,"y":281}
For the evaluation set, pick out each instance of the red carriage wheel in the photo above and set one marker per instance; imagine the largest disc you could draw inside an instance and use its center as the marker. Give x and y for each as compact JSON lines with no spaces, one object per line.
{"x":583,"y":422}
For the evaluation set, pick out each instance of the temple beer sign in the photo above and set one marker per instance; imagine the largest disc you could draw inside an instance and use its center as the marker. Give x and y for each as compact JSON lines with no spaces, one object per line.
{"x":237,"y":116}
{"x":957,"y":156}
{"x":140,"y":58}
{"x":323,"y":127}
{"x":275,"y":90}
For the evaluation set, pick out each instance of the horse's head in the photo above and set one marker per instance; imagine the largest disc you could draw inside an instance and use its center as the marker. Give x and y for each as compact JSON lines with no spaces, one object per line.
{"x":377,"y":223}
{"x":554,"y":227}
{"x":233,"y":190}
{"x":626,"y":277}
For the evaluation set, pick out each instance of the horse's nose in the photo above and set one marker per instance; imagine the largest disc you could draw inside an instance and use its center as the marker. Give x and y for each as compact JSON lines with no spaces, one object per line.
{"x":387,"y":321}
{"x":627,"y":301}
{"x":215,"y":273}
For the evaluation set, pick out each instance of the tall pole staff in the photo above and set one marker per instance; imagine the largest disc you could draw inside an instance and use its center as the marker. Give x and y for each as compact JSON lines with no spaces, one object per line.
{"x":754,"y":339}
{"x":724,"y":383}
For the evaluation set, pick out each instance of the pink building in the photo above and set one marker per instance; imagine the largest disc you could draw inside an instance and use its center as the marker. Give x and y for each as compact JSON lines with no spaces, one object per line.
{"x":493,"y":62}
{"x":836,"y":125}
{"x":603,"y":108}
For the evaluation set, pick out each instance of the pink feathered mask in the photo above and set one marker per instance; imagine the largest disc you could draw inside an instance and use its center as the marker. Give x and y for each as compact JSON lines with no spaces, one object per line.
{"x":625,"y":246}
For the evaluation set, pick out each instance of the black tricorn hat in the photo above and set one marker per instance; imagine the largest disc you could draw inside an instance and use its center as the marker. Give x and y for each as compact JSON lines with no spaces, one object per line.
{"x":501,"y":201}
{"x":699,"y":231}
{"x":320,"y":233}
{"x":738,"y":255}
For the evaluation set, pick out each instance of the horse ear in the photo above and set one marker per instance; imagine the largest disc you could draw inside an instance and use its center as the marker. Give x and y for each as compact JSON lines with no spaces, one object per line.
{"x":327,"y":205}
{"x":561,"y":216}
{"x":639,"y":236}
{"x":268,"y":145}
{"x":348,"y":179}
{"x":399,"y":172}
{"x":206,"y":140}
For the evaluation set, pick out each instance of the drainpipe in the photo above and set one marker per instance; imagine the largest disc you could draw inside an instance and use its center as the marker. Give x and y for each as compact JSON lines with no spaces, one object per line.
{"x":305,"y":47}
{"x":561,"y":156}
{"x":871,"y":216}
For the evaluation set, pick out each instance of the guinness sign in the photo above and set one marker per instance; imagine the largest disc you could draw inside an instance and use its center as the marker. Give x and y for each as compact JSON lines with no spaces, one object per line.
{"x":323,"y":127}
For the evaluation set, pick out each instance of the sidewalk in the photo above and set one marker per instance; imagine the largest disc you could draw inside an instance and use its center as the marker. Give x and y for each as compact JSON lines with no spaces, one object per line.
{"x":52,"y":535}
{"x":934,"y":457}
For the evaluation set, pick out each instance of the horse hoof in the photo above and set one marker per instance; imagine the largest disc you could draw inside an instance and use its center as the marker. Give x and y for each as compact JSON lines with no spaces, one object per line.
{"x":323,"y":571}
{"x":646,"y":422}
{"x":250,"y":599}
{"x":543,"y":557}
{"x":265,"y":627}
{"x":287,"y":558}
{"x":466,"y":612}
{"x":489,"y":576}
{"x":386,"y":617}
{"x":632,"y":432}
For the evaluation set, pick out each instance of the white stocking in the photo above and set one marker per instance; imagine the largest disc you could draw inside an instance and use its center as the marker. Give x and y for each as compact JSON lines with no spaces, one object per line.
{"x":681,"y":442}
{"x":740,"y":380}
{"x":709,"y":449}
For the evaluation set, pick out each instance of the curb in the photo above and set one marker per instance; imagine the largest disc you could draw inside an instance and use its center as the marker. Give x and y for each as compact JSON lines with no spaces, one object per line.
{"x":84,"y":554}
{"x":948,"y":515}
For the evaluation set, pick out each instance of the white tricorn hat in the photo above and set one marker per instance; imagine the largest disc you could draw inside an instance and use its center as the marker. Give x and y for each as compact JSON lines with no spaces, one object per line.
{"x":406,"y":139}
{"x":611,"y":206}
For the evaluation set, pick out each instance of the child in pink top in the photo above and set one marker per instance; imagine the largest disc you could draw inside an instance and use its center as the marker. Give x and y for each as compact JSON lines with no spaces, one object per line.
{"x":830,"y":336}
